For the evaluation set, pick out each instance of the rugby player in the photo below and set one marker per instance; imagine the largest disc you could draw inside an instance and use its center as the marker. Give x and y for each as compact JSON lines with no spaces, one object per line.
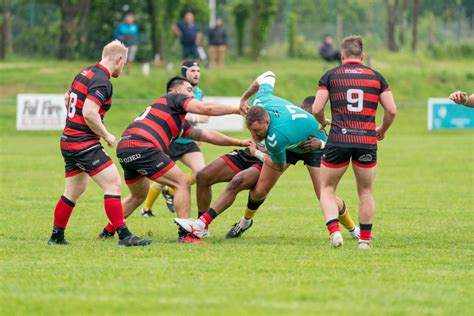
{"x":143,"y":145}
{"x":460,"y":97}
{"x":183,"y":149}
{"x":87,"y":101}
{"x":243,"y":169}
{"x":354,"y":91}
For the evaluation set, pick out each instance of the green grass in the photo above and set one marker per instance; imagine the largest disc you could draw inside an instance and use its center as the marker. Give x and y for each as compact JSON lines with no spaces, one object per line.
{"x":422,"y":259}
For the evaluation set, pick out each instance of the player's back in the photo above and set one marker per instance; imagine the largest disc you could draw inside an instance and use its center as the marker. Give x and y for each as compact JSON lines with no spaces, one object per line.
{"x":291,"y":125}
{"x":159,"y":124}
{"x":93,"y":84}
{"x":354,"y":93}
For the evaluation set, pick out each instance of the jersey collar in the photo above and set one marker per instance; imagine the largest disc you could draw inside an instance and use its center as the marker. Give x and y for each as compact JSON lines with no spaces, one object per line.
{"x":103,"y":68}
{"x":352,"y":61}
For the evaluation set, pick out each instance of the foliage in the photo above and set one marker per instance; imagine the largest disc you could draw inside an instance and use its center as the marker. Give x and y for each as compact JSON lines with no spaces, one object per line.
{"x":240,"y":12}
{"x":291,"y":34}
{"x":262,"y":14}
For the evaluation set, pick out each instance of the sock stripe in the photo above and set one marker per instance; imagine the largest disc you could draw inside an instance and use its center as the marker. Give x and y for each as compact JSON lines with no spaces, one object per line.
{"x":109,"y":196}
{"x":67,"y":201}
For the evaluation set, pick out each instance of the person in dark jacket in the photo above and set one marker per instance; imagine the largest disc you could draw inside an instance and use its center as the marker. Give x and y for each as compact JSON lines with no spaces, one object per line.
{"x":190,"y":34}
{"x":217,"y":44}
{"x":327,"y":51}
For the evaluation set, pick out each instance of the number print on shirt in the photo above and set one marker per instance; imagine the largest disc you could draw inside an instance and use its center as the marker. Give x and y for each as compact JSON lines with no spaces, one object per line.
{"x":71,"y":110}
{"x":359,"y":99}
{"x":294,"y":116}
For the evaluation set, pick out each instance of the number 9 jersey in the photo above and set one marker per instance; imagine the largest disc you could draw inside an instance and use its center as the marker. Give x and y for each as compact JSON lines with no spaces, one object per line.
{"x":354,"y":93}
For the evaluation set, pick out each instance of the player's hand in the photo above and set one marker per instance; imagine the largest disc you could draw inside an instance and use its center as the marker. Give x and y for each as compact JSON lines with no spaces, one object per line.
{"x":459,"y":97}
{"x":327,"y":122}
{"x":311,"y":144}
{"x":110,"y":139}
{"x":245,"y":143}
{"x":244,"y":106}
{"x":203,"y":119}
{"x":379,"y":133}
{"x":253,"y":147}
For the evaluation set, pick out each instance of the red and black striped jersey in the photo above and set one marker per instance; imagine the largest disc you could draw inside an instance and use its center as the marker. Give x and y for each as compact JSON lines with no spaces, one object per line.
{"x":354,"y":93}
{"x":92,"y":83}
{"x":159,"y":124}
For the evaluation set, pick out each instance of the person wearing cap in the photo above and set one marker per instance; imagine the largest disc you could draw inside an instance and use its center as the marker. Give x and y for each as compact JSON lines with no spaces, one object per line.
{"x":183,"y":149}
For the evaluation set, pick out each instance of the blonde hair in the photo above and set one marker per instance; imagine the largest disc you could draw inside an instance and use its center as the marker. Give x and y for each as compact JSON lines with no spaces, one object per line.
{"x":114,"y":48}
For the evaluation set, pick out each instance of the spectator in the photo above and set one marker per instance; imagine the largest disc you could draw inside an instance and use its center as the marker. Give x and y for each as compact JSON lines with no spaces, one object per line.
{"x":128,"y":33}
{"x":190,"y":36}
{"x":217,"y":44}
{"x":327,"y":51}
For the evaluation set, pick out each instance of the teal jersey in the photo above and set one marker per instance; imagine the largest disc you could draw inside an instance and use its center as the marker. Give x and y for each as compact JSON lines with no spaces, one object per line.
{"x":289,"y":125}
{"x":198,"y":95}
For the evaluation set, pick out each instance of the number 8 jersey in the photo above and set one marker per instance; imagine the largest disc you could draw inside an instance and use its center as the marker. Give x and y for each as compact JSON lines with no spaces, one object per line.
{"x":92,"y":83}
{"x":354,"y":92}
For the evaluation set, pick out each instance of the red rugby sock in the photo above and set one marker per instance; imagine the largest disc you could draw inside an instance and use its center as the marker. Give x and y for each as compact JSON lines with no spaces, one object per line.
{"x":63,"y":211}
{"x":113,"y":208}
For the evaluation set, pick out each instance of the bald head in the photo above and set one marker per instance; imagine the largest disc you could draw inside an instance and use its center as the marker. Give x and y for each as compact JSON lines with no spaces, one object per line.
{"x":114,"y":57}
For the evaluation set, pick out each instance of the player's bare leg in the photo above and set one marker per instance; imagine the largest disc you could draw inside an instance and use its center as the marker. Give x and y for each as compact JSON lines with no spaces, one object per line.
{"x":344,"y":218}
{"x":74,"y":187}
{"x":215,"y":172}
{"x":244,"y":180}
{"x":330,"y":178}
{"x":267,"y":179}
{"x":110,"y":182}
{"x":365,"y":179}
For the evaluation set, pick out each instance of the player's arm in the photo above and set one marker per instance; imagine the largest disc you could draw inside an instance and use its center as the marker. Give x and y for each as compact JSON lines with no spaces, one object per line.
{"x":194,"y":118}
{"x":322,"y":97}
{"x":461,"y":97}
{"x":390,"y":111}
{"x":90,"y":111}
{"x":210,"y":109}
{"x":215,"y":138}
{"x":247,"y":95}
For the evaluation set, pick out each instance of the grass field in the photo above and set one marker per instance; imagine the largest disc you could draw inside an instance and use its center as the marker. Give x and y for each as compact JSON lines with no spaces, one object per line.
{"x":421,"y":262}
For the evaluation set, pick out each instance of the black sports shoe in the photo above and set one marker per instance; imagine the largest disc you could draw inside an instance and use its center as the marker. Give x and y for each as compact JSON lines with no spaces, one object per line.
{"x":169,"y":199}
{"x":147,"y":213}
{"x":62,"y":241}
{"x":236,"y":231}
{"x":133,"y":240}
{"x":105,"y":234}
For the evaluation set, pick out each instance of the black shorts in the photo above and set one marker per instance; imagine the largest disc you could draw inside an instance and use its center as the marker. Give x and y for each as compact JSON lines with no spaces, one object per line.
{"x":177,"y":150}
{"x":91,"y":160}
{"x":139,"y":162}
{"x":337,"y":157}
{"x":309,"y":159}
{"x":240,"y":160}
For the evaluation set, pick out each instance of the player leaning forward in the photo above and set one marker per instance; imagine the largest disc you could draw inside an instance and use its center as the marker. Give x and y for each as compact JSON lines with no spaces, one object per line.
{"x":88,"y":100}
{"x":283,"y":129}
{"x":354,"y":91}
{"x":142,"y":147}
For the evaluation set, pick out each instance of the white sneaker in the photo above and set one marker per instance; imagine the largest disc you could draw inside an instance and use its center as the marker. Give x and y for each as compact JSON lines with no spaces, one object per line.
{"x":336,"y":239}
{"x":364,"y":245}
{"x":355,"y":232}
{"x":190,"y":226}
{"x":206,"y":233}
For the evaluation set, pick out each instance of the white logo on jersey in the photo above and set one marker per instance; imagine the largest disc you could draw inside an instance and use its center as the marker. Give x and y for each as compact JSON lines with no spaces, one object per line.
{"x":272,"y":140}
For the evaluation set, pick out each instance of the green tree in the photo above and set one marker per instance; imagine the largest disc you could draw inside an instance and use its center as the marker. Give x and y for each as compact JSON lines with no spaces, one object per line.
{"x":241,"y":14}
{"x":262,"y":15}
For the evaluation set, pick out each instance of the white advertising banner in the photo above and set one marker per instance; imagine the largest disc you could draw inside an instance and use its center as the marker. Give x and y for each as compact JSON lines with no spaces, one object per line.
{"x":47,"y":112}
{"x":226,"y":123}
{"x":40,"y":112}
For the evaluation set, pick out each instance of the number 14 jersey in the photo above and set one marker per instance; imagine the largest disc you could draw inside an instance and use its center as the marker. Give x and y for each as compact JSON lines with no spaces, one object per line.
{"x":354,"y":93}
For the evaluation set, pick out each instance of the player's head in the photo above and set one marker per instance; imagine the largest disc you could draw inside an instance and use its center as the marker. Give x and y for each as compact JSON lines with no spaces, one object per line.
{"x":114,"y":55}
{"x":308,"y":104}
{"x":257,"y":121}
{"x":352,"y":47}
{"x":190,"y":70}
{"x":179,"y":85}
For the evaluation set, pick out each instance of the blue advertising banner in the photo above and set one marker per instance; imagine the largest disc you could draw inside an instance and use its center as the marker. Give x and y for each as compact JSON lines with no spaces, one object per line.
{"x":445,"y":114}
